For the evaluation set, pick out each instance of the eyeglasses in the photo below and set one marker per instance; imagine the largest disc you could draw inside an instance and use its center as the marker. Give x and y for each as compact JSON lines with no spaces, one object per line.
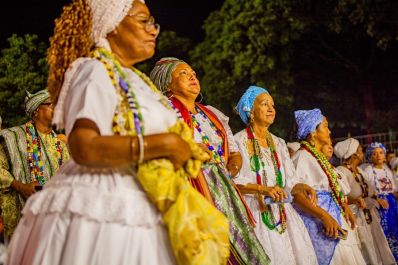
{"x":148,"y":21}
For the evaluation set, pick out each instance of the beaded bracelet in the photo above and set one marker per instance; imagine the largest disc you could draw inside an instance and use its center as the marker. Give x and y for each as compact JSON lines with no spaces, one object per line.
{"x":142,"y":147}
{"x":132,"y":148}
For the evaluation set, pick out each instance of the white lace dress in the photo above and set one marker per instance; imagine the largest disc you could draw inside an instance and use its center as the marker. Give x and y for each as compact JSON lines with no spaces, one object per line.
{"x":375,"y":247}
{"x":310,"y":172}
{"x":95,"y":216}
{"x":294,"y":245}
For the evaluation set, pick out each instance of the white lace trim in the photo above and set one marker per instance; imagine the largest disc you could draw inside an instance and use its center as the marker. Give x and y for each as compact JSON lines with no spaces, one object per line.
{"x":127,"y":207}
{"x":103,"y":197}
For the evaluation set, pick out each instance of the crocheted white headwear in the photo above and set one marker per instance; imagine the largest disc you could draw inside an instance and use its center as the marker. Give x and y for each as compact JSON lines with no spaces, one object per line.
{"x":107,"y":14}
{"x":394,"y":163}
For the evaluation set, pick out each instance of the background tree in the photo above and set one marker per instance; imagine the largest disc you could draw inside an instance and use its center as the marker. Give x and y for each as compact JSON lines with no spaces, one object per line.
{"x":22,"y":67}
{"x":337,"y":55}
{"x":169,"y":44}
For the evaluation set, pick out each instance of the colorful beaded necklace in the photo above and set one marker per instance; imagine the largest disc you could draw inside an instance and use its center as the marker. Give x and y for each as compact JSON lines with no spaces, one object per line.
{"x":134,"y":119}
{"x":127,"y":120}
{"x":337,"y":194}
{"x":257,"y":164}
{"x":35,"y":154}
{"x":218,"y":153}
{"x":365,"y":191}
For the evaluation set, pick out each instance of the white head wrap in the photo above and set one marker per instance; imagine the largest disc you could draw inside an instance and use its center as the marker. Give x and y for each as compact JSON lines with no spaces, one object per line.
{"x":107,"y":14}
{"x":346,"y":148}
{"x":394,"y":163}
{"x":295,"y":146}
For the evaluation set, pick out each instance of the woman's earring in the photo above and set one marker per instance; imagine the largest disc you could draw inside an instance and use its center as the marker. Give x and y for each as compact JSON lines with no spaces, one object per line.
{"x":201,"y":98}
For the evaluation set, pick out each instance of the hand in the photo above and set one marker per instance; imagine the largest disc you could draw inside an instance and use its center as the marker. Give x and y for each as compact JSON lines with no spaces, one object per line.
{"x":309,"y":192}
{"x":276,"y":193}
{"x":349,"y":217}
{"x":204,"y":148}
{"x":383,"y":203}
{"x":26,"y":190}
{"x":233,"y":169}
{"x":361,"y":203}
{"x":179,"y":151}
{"x":331,"y":227}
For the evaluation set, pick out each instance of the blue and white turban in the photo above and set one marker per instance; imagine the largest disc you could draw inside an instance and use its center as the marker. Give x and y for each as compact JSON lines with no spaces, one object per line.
{"x":246,"y":102}
{"x":307,"y":121}
{"x":371,"y":148}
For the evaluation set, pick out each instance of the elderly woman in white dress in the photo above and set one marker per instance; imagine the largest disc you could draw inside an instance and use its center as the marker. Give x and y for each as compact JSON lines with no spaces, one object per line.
{"x":333,"y":239}
{"x":381,"y":179}
{"x":268,"y":171}
{"x":98,"y":209}
{"x":375,"y":247}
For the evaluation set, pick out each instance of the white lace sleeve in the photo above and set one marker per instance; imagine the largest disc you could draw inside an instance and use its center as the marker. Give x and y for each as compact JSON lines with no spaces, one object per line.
{"x":287,"y":163}
{"x":245,"y":174}
{"x":225,"y":122}
{"x":92,"y":96}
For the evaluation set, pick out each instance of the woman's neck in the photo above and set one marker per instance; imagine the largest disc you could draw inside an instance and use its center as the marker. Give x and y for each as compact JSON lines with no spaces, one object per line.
{"x":188,"y":103}
{"x":124,"y":61}
{"x":379,"y":166}
{"x":43,"y":127}
{"x":261,"y":132}
{"x":353,"y":165}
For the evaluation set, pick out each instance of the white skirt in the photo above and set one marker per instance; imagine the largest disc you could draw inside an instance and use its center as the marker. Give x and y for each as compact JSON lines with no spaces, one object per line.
{"x":293,"y":247}
{"x":90,"y":216}
{"x":348,"y":252}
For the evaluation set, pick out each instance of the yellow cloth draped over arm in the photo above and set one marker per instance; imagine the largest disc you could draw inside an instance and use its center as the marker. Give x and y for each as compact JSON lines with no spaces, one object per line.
{"x":198,"y":232}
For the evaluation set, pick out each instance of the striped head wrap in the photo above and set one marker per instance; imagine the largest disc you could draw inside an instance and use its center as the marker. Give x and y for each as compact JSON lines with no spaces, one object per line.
{"x":371,"y":148}
{"x":246,"y":102}
{"x":161,"y":73}
{"x":33,"y":101}
{"x":307,"y":121}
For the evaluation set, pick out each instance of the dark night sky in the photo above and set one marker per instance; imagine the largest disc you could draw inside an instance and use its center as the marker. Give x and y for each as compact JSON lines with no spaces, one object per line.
{"x":37,"y":16}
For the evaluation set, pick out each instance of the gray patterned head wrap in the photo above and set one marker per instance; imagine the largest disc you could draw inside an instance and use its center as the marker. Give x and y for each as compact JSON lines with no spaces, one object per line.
{"x":161,"y":73}
{"x":33,"y":101}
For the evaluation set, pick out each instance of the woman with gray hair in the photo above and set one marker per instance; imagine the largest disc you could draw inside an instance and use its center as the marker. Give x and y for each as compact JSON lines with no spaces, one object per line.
{"x":123,"y":198}
{"x":361,"y":201}
{"x":176,"y":79}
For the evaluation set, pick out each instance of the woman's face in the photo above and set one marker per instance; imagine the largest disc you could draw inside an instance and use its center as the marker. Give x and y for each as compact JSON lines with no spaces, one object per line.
{"x":44,"y":113}
{"x":322,"y":133}
{"x":359,"y":154}
{"x":263,"y":112}
{"x":130,"y":40}
{"x":378,"y":156}
{"x":327,"y":151}
{"x":184,"y":82}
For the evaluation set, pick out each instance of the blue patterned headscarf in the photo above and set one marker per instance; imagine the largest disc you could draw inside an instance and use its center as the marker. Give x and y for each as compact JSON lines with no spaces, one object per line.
{"x":307,"y":120}
{"x":371,"y":148}
{"x":246,"y":102}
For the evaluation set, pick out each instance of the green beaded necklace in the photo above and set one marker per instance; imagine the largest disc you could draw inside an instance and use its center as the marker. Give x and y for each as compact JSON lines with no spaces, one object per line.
{"x":257,"y":165}
{"x":337,"y":194}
